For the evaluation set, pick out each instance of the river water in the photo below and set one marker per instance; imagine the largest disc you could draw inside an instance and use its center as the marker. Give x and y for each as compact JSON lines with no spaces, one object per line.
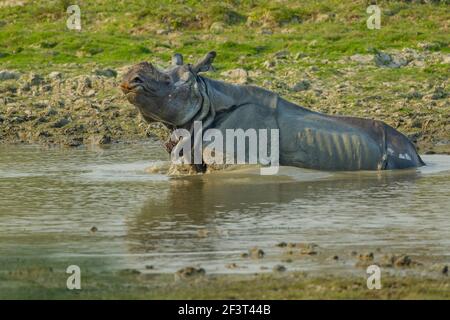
{"x":51,"y":198}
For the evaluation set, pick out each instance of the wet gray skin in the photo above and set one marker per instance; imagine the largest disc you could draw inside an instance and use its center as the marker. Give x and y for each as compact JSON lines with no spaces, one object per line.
{"x":179,"y":95}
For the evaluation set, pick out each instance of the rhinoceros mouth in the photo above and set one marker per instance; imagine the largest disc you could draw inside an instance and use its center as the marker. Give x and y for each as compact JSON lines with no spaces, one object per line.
{"x":131,"y":87}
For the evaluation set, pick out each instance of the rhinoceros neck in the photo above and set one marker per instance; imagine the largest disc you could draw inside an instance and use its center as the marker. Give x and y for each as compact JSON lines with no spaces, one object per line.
{"x":226,"y":96}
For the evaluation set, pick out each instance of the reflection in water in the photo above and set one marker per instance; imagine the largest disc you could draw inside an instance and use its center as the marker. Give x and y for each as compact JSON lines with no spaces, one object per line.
{"x":202,"y":200}
{"x":51,"y":199}
{"x":248,"y":209}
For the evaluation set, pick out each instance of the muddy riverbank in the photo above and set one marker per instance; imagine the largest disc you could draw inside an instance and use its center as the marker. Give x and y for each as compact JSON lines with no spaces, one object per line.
{"x":45,"y":283}
{"x":82,"y":104}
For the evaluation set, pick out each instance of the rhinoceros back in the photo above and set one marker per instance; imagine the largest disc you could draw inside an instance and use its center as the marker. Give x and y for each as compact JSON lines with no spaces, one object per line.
{"x":322,"y":143}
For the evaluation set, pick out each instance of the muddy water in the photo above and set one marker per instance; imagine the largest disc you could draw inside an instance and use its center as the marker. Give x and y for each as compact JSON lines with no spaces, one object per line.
{"x":50,"y":199}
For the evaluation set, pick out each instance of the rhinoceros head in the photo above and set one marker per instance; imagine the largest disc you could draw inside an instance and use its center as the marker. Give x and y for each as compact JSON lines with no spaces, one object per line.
{"x":172,"y":95}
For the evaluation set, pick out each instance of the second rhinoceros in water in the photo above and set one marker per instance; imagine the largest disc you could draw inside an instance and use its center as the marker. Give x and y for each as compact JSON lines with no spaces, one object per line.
{"x":179,"y":97}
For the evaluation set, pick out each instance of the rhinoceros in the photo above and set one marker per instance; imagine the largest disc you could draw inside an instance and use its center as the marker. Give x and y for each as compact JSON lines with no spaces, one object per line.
{"x":179,"y":96}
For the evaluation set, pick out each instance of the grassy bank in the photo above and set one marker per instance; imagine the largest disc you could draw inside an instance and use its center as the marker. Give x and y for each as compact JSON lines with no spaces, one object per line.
{"x":44,"y":284}
{"x":46,"y":278}
{"x":34,"y":35}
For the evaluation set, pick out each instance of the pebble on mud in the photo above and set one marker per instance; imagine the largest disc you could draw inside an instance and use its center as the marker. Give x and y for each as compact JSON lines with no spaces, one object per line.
{"x":366,"y":256}
{"x":189,"y":272}
{"x":302,"y":86}
{"x":387,"y":60}
{"x":281,"y":244}
{"x":365,"y":259}
{"x":232,"y":266}
{"x":36,"y":79}
{"x":402,"y":261}
{"x":399,"y":261}
{"x":439,"y":93}
{"x":445,"y":270}
{"x":109,"y":73}
{"x":308,"y":251}
{"x":8,"y":75}
{"x":55,"y":75}
{"x":304,"y":248}
{"x":60,"y":123}
{"x":428,"y":45}
{"x":279,"y":268}
{"x":256,"y":253}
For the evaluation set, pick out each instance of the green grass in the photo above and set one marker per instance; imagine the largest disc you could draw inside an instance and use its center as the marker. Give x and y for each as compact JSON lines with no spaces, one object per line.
{"x":34,"y":36}
{"x":22,"y":278}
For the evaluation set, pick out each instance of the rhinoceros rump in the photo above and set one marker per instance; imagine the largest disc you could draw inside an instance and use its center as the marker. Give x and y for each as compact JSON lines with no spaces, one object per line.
{"x":179,"y":96}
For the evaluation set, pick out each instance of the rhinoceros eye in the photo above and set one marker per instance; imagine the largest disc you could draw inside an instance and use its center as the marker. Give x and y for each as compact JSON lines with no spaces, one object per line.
{"x":137,"y":80}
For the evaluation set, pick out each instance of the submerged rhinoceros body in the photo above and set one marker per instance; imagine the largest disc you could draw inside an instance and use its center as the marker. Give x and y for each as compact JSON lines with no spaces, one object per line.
{"x":179,"y":96}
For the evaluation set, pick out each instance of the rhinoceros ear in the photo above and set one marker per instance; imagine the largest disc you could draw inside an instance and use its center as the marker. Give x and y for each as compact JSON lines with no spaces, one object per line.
{"x":177,"y":59}
{"x":204,"y":64}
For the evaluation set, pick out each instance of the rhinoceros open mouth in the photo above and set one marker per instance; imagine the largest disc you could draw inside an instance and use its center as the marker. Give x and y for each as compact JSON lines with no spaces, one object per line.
{"x":131,"y":86}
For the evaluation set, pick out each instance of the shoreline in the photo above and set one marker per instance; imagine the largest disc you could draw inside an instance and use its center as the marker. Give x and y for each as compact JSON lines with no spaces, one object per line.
{"x":51,"y":284}
{"x":343,"y":275}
